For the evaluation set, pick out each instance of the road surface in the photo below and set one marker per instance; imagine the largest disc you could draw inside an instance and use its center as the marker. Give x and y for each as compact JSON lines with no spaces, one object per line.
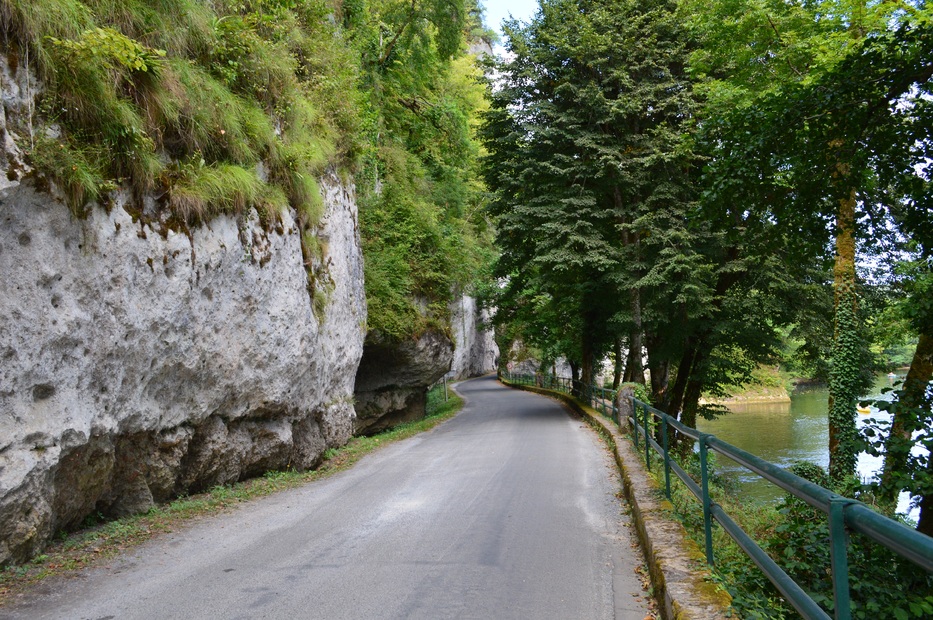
{"x":509,"y":510}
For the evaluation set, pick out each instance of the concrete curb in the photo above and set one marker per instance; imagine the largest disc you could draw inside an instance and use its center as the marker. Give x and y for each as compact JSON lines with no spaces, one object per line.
{"x":676,"y":564}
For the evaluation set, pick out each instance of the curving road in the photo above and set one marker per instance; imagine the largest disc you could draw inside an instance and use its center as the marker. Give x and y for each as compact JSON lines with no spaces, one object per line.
{"x":506,"y":511}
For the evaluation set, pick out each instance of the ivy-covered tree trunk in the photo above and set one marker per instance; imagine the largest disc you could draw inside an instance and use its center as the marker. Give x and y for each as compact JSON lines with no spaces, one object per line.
{"x":846,"y":356}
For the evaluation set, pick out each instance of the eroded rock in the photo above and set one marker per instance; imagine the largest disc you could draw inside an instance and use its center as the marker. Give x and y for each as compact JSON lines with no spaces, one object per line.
{"x":393,"y":378}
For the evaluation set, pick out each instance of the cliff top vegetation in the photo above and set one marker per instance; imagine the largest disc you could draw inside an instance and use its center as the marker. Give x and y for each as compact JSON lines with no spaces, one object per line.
{"x":222,"y":106}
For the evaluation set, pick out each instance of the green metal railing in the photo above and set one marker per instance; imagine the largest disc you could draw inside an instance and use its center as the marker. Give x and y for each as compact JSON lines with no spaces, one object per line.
{"x":844,"y":514}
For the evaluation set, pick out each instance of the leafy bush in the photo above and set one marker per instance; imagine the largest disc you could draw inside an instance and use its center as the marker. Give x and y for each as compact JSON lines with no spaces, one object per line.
{"x":880,"y":581}
{"x":796,"y":536}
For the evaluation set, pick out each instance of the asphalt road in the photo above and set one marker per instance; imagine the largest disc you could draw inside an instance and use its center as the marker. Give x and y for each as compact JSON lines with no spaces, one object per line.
{"x":506,"y":511}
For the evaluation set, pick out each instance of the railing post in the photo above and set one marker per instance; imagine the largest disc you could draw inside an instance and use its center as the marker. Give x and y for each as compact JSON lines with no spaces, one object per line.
{"x":667,"y":458}
{"x":647,"y":443}
{"x":707,"y":504}
{"x":838,"y":553}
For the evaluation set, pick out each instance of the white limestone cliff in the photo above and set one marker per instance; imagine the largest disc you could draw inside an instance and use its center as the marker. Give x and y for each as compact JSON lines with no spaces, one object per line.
{"x":475,"y":349}
{"x":138,"y":362}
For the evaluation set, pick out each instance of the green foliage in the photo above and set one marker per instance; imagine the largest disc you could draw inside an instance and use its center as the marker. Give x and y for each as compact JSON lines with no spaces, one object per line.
{"x":96,"y":79}
{"x":917,"y":307}
{"x":639,"y":389}
{"x":910,"y":405}
{"x":582,"y":175}
{"x":880,"y":581}
{"x":141,"y":105}
{"x":193,"y":98}
{"x":31,"y":22}
{"x":796,"y":536}
{"x":420,"y":186}
{"x":676,"y":173}
{"x":198,"y":191}
{"x":77,"y":169}
{"x":440,"y":405}
{"x":603,"y":231}
{"x":178,"y":81}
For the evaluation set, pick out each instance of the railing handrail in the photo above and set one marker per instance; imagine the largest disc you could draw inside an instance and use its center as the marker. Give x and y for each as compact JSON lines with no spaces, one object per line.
{"x":896,"y":536}
{"x":843,"y":512}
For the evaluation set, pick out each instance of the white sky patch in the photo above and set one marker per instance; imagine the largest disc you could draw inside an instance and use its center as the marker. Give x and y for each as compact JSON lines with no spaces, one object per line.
{"x":498,"y":10}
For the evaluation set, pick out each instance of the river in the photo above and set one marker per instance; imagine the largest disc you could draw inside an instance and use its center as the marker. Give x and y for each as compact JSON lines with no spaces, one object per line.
{"x":786,"y":432}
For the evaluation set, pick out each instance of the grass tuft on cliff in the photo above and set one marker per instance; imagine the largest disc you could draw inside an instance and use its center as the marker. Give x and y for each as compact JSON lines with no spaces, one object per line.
{"x":187,"y":98}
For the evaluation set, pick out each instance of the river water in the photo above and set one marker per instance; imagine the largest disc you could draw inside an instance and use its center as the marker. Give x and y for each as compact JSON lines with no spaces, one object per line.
{"x":786,"y":432}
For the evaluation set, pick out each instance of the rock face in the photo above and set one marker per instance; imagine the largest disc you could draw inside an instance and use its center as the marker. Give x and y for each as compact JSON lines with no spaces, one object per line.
{"x":393,"y":378}
{"x":475,"y":349}
{"x":521,"y":363}
{"x":138,"y":362}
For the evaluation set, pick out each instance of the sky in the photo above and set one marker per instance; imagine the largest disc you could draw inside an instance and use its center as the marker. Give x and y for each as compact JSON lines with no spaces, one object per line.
{"x":497,"y":10}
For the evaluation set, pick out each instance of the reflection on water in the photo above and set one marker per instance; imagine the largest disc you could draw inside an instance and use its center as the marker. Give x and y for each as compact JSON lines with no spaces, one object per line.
{"x":786,"y":432}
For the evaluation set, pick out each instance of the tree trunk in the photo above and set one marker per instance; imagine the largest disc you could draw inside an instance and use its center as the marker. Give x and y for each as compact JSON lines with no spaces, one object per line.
{"x":634,"y":367}
{"x":912,"y":398}
{"x":587,"y":363}
{"x":925,"y":523}
{"x":844,"y":378}
{"x":689,"y":415}
{"x":660,"y":371}
{"x":635,"y":348}
{"x":694,"y":390}
{"x":675,"y":397}
{"x":617,"y":368}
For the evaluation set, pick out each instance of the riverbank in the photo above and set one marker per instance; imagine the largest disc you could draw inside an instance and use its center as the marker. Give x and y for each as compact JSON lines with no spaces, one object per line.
{"x":755,"y":394}
{"x":769,"y":384}
{"x":787,"y":432}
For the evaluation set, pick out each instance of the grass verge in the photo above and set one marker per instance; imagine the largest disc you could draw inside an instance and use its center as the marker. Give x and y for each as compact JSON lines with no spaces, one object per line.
{"x":100,"y":542}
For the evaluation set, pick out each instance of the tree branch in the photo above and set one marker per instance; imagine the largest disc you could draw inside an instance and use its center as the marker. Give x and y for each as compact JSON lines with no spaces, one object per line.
{"x":388,"y":52}
{"x":781,"y":42}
